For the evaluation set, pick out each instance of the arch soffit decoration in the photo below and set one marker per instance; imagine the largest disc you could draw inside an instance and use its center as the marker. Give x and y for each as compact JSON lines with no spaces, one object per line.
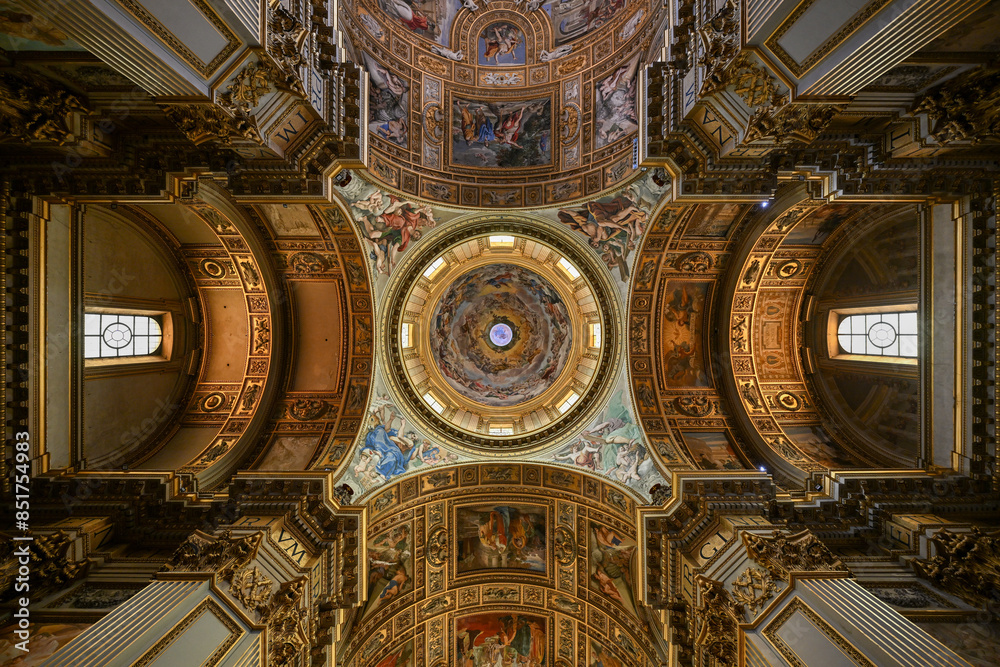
{"x":333,"y":415}
{"x":244,"y":410}
{"x":698,"y":278}
{"x":766,"y":287}
{"x":434,"y":509}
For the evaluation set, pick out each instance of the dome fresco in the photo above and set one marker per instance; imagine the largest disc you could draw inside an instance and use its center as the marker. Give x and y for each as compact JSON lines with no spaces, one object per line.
{"x":501,"y":335}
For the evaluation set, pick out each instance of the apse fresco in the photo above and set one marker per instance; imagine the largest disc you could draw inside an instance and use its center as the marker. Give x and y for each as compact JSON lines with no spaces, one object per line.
{"x":610,"y":565}
{"x":602,"y":657}
{"x":817,"y":445}
{"x":390,"y":449}
{"x":387,"y":223}
{"x":613,"y":225}
{"x":502,"y":43}
{"x":388,"y":104}
{"x":576,"y":18}
{"x":390,"y":567}
{"x":711,"y":450}
{"x":495,"y":299}
{"x":816,"y":227}
{"x":501,"y":134}
{"x":402,"y":656}
{"x":683,"y":352}
{"x":615,"y":111}
{"x":46,"y":639}
{"x":501,"y":536}
{"x":712,"y":219}
{"x":501,"y":638}
{"x":614,"y":446}
{"x":431,"y":19}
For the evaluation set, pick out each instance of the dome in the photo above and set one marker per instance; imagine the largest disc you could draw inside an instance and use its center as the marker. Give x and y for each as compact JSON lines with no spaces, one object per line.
{"x":500,"y":337}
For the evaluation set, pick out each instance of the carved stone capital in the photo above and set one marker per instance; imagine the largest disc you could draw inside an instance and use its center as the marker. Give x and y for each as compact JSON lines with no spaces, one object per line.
{"x":35,"y":109}
{"x":223,"y":555}
{"x":781,"y":553}
{"x":49,"y":562}
{"x":791,"y":122}
{"x":966,"y":108}
{"x":207,"y":122}
{"x":966,"y":564}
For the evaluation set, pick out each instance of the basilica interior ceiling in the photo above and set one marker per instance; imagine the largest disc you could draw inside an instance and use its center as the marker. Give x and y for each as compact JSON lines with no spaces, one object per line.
{"x":511,"y":317}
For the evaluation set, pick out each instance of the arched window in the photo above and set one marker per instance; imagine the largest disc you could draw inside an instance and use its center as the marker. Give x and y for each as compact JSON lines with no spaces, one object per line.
{"x":891,"y":332}
{"x":115,"y":335}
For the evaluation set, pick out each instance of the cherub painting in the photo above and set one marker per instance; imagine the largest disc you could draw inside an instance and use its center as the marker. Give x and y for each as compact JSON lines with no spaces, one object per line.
{"x":501,"y":44}
{"x":388,"y":103}
{"x":502,"y":134}
{"x":501,"y":536}
{"x":610,"y":564}
{"x":390,"y":224}
{"x":614,"y":446}
{"x":615,"y":105}
{"x":614,"y":226}
{"x":390,"y":566}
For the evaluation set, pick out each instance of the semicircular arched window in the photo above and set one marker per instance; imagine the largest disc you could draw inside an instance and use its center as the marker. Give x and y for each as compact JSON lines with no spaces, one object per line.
{"x":882,"y":334}
{"x":115,"y":335}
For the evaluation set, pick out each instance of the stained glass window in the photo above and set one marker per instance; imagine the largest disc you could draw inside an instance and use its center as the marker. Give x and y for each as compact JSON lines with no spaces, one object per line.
{"x":885,"y":334}
{"x":112,"y":335}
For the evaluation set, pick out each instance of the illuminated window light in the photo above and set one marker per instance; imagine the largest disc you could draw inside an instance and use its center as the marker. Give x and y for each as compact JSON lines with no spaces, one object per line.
{"x":595,"y":335}
{"x":569,"y":268}
{"x":568,"y":403}
{"x":890,"y":333}
{"x":435,"y":405}
{"x":115,"y":335}
{"x":432,"y":269}
{"x":501,"y":241}
{"x":404,"y":335}
{"x":501,"y":429}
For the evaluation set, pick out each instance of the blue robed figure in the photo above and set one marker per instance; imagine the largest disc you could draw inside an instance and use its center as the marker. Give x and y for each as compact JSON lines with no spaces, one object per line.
{"x":392,"y":460}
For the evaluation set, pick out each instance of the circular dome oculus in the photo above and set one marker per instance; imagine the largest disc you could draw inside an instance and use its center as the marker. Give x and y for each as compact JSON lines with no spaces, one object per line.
{"x":501,"y":335}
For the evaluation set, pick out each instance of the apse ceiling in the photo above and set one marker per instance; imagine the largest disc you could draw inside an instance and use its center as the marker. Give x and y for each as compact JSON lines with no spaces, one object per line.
{"x":502,"y":103}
